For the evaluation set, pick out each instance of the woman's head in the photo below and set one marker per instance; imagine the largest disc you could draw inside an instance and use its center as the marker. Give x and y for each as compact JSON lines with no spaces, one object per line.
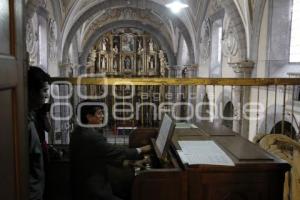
{"x":38,"y":86}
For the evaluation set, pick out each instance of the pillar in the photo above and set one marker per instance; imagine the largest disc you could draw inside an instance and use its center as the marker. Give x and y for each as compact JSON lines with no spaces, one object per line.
{"x":241,"y":96}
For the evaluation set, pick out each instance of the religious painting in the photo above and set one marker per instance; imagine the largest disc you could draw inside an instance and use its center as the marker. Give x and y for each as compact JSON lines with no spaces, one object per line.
{"x":128,"y":42}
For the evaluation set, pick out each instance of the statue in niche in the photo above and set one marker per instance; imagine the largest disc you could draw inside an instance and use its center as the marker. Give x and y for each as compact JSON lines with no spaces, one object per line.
{"x":163,"y":62}
{"x":115,"y":63}
{"x":127,"y":63}
{"x":116,"y":49}
{"x":151,"y":49}
{"x":104,"y":44}
{"x":91,"y":59}
{"x":151,"y":62}
{"x":139,"y":64}
{"x":162,"y":71}
{"x":103,"y":63}
{"x":140,"y":46}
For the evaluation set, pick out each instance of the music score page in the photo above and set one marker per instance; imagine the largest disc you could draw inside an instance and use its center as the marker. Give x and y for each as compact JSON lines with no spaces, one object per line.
{"x":205,"y":152}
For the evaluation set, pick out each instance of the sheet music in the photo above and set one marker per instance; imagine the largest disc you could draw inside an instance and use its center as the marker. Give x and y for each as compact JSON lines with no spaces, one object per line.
{"x":185,"y":125}
{"x":182,"y":156}
{"x":203,"y":152}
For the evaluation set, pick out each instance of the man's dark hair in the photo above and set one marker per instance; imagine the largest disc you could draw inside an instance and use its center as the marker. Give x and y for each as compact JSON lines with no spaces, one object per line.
{"x":85,"y":110}
{"x":36,"y":78}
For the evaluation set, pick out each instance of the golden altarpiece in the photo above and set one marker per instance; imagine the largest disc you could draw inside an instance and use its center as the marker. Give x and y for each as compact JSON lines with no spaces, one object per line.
{"x":129,"y":52}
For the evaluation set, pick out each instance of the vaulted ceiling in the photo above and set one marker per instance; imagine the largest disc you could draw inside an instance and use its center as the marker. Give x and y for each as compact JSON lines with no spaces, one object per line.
{"x":83,"y":18}
{"x":84,"y":21}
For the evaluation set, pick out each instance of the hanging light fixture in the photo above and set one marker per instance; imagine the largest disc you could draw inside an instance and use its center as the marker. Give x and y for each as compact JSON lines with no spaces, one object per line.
{"x":176,"y":6}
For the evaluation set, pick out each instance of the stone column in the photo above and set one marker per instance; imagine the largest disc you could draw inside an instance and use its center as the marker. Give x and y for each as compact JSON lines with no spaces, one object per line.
{"x":176,"y":91}
{"x":191,"y":91}
{"x":65,"y":70}
{"x":241,"y":96}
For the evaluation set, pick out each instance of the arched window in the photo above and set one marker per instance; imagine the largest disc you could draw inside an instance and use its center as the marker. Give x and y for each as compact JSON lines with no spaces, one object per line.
{"x":295,"y":33}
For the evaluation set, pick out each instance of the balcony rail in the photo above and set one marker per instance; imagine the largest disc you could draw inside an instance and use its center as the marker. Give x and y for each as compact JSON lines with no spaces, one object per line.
{"x":248,"y":106}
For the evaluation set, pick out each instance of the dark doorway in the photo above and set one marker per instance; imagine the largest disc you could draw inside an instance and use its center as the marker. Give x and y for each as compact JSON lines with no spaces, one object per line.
{"x":287,"y":130}
{"x":228,"y":113}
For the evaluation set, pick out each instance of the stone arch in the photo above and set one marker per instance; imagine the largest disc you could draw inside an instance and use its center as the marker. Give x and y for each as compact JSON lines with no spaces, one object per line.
{"x":258,"y":11}
{"x":205,"y":108}
{"x":267,"y":123}
{"x":128,"y":23}
{"x":228,"y":112}
{"x":32,"y":6}
{"x":225,"y":107}
{"x":288,"y":129}
{"x":223,"y":98}
{"x":120,"y":3}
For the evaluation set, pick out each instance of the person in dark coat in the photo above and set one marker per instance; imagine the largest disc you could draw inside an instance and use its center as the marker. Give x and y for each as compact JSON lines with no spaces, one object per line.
{"x":91,"y":155}
{"x":38,"y":86}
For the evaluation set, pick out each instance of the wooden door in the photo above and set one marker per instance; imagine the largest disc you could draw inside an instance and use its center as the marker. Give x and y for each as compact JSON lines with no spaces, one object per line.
{"x":13,"y":140}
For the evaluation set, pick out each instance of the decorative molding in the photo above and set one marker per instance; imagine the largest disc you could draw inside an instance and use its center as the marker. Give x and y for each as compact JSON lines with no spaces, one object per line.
{"x":243,"y":69}
{"x":216,"y":5}
{"x":158,"y":10}
{"x":32,"y":6}
{"x":205,"y":40}
{"x":230,"y":42}
{"x":111,"y":15}
{"x":52,"y":39}
{"x":31,"y":42}
{"x":232,"y":19}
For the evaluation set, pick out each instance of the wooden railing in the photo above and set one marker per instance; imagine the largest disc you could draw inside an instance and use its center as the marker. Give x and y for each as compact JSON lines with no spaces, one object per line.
{"x":272,"y":104}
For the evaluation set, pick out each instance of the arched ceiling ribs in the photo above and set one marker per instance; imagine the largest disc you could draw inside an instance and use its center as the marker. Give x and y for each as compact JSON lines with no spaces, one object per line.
{"x":128,"y":23}
{"x":234,"y":17}
{"x":157,"y":8}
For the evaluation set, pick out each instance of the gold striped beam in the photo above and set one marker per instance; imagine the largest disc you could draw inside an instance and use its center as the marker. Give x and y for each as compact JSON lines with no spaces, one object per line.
{"x":180,"y":81}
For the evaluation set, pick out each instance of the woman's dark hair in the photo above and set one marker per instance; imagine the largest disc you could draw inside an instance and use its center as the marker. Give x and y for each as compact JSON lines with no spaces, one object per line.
{"x":36,"y":78}
{"x":87,"y":107}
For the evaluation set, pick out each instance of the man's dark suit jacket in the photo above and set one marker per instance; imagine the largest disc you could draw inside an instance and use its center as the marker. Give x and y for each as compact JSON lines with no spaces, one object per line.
{"x":36,"y":165}
{"x":90,"y":157}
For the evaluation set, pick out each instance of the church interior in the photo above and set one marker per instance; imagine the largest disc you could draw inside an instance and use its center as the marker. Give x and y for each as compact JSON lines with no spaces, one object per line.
{"x":226,"y":71}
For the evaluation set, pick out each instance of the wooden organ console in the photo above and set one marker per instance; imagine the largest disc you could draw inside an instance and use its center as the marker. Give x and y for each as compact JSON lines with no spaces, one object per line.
{"x":257,"y":175}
